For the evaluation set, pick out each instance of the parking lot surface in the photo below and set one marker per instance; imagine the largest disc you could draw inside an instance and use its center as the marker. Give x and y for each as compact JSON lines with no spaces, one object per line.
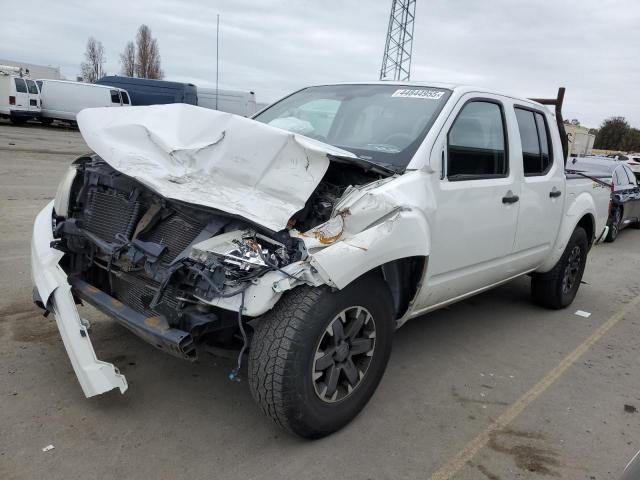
{"x":490,"y":388}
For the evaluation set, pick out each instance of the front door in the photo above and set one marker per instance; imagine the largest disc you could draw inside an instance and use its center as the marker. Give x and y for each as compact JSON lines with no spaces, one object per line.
{"x":478,"y":195}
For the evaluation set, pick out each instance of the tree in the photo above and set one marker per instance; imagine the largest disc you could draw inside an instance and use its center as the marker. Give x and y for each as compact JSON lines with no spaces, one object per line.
{"x":93,"y":67}
{"x":147,"y":55}
{"x":128,"y":60}
{"x":611,"y":133}
{"x":631,"y":140}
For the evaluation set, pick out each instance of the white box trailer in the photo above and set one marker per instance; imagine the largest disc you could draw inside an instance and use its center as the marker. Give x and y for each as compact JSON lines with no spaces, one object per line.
{"x":232,"y":101}
{"x":63,"y":100}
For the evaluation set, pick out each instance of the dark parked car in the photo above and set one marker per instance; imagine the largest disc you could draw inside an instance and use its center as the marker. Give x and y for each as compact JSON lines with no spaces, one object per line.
{"x":625,"y":195}
{"x":144,"y":91}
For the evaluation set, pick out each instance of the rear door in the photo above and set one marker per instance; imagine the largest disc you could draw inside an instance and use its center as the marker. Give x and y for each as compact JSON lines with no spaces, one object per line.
{"x":543,"y":187}
{"x":22,"y":94}
{"x":476,"y":218}
{"x":34,"y":96}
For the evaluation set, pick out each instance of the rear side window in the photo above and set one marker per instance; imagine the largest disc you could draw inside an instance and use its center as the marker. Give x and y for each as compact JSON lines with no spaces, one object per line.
{"x":534,"y":137}
{"x":631,"y":176}
{"x":476,"y":143}
{"x":620,"y":177}
{"x":21,"y":87}
{"x":115,"y":96}
{"x":125,"y":98}
{"x":31,"y":86}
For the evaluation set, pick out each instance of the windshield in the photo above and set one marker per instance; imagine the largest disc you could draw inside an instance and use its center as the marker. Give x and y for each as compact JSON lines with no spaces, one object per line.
{"x":384,"y":124}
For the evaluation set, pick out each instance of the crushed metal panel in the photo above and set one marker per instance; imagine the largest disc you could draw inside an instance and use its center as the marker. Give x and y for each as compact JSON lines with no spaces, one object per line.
{"x":372,"y":224}
{"x":210,"y":158}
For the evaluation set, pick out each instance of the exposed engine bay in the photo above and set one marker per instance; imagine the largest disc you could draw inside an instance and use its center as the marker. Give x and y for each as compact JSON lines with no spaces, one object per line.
{"x":169,"y":261}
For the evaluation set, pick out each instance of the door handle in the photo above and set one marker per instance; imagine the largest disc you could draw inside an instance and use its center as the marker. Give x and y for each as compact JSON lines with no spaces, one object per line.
{"x":510,"y":197}
{"x":555,"y":193}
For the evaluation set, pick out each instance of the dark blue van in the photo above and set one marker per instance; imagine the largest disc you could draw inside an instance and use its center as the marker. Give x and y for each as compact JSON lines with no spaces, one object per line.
{"x":144,"y":91}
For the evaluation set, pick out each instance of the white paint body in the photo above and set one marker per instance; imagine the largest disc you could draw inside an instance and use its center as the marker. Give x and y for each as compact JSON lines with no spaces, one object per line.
{"x":63,"y":100}
{"x":471,"y":239}
{"x":26,"y":104}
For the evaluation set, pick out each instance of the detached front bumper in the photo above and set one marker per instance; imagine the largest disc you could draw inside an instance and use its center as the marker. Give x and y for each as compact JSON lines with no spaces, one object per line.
{"x":95,"y":376}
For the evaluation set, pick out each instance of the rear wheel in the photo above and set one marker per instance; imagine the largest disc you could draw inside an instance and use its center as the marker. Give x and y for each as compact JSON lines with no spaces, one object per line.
{"x":18,"y":120}
{"x":614,"y":225}
{"x":318,"y":356}
{"x":557,"y":288}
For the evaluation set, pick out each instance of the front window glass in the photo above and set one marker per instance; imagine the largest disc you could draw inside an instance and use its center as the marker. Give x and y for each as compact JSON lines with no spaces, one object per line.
{"x":384,"y":124}
{"x":476,"y":143}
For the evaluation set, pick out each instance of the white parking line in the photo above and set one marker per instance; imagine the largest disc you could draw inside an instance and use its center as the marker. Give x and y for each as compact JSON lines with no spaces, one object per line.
{"x":470,"y":450}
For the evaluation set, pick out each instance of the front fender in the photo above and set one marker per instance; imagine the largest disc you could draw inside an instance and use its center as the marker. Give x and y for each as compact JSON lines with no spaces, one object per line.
{"x":372,"y":225}
{"x":581,"y":206}
{"x":402,"y":234}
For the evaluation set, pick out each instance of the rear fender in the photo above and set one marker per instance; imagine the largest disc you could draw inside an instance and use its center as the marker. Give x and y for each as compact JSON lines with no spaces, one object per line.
{"x":583,"y":206}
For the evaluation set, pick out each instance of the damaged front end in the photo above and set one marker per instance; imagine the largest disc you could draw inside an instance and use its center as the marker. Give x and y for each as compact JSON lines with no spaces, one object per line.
{"x":165,"y":269}
{"x":126,"y":235}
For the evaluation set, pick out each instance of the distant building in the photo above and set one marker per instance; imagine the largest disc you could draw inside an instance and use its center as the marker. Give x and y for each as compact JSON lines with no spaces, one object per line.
{"x":580,"y":140}
{"x":35,"y":71}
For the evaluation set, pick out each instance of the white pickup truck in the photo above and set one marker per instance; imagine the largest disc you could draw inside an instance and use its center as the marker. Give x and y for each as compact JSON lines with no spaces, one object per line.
{"x":309,"y":233}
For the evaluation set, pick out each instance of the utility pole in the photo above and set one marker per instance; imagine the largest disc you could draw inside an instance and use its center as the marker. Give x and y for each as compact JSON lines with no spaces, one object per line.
{"x":217,"y":50}
{"x":396,"y":60}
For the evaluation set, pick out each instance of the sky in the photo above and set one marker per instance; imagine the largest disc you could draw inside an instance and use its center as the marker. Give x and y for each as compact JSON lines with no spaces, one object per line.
{"x":273,"y":47}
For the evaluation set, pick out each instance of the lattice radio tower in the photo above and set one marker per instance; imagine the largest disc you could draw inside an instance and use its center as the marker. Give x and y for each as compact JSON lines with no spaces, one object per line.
{"x":396,"y":60}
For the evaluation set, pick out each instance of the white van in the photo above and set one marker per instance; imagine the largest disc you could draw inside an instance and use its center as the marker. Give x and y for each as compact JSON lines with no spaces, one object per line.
{"x":19,"y":96}
{"x":62,"y":100}
{"x":232,"y":101}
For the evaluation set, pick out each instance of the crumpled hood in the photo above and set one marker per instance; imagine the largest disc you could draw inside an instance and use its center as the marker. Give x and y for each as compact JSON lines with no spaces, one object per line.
{"x":210,"y":158}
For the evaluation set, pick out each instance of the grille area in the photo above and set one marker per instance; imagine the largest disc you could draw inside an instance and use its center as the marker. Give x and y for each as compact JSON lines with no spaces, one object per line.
{"x":137,"y":291}
{"x":108,"y":213}
{"x":176,"y":233}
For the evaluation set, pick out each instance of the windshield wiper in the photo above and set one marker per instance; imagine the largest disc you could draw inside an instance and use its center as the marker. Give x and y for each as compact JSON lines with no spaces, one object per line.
{"x":368,"y":165}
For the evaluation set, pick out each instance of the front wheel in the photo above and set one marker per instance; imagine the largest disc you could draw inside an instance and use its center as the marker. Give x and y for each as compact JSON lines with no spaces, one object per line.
{"x":558,"y":287}
{"x":318,"y":356}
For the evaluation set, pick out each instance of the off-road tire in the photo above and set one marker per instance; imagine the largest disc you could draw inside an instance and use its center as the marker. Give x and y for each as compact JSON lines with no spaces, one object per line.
{"x":281,"y":358}
{"x":547,"y":288}
{"x":614,"y":226}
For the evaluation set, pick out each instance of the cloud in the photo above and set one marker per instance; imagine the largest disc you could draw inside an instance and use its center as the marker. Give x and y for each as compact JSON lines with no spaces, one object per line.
{"x":274,"y":47}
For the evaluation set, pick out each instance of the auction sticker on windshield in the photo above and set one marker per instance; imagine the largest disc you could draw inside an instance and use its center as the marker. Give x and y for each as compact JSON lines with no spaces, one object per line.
{"x":418,"y":93}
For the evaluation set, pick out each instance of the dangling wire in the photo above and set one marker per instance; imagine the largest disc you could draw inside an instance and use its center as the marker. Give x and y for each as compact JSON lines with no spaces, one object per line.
{"x":235,"y":373}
